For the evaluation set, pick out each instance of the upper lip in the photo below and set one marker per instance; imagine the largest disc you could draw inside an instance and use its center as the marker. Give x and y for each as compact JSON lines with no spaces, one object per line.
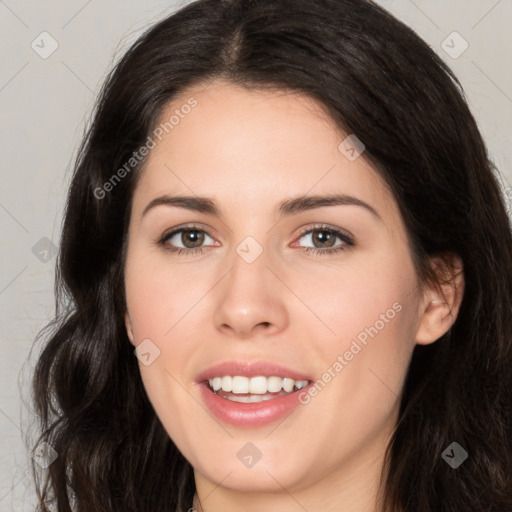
{"x":250,"y":369}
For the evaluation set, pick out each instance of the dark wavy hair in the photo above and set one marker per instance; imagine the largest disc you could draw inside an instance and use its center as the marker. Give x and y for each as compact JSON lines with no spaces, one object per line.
{"x":377,"y":79}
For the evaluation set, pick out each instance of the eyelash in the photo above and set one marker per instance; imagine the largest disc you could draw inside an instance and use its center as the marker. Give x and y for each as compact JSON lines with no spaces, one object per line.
{"x":348,"y":242}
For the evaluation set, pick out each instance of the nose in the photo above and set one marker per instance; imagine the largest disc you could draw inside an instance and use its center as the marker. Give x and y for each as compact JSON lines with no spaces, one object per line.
{"x":250,"y":300}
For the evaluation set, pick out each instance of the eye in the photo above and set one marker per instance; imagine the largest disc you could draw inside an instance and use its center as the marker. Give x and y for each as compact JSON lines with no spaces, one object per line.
{"x":191,"y":239}
{"x":324,"y":238}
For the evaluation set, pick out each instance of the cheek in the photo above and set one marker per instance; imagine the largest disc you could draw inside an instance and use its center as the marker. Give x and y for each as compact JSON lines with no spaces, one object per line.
{"x":369,"y":295}
{"x":160,"y":295}
{"x":363,"y":367}
{"x":160,"y":304}
{"x":368,"y":318}
{"x":164,"y":302}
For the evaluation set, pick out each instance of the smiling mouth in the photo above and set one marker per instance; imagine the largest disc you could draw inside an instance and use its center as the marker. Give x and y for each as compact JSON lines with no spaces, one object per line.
{"x":242,"y":389}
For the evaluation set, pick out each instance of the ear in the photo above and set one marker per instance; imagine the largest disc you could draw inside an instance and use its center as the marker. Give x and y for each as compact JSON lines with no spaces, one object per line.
{"x":441,"y":301}
{"x":129,"y":328}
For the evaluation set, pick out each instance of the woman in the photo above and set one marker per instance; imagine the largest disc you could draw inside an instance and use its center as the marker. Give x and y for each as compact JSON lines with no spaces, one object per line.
{"x":285,"y":276}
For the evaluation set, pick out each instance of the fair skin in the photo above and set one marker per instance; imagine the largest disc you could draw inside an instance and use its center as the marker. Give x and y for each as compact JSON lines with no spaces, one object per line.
{"x":248,"y":151}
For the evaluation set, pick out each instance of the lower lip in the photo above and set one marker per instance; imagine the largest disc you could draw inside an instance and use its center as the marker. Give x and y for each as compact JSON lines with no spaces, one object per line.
{"x":252,"y":414}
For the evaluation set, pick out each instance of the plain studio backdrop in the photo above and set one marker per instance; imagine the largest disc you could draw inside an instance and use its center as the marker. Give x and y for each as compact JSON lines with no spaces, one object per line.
{"x":55,"y":55}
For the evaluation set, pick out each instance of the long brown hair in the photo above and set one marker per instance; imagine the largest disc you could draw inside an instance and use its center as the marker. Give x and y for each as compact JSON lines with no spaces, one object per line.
{"x":379,"y":81}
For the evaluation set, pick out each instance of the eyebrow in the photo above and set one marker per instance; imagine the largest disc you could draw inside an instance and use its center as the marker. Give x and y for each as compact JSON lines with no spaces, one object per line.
{"x":285,"y":208}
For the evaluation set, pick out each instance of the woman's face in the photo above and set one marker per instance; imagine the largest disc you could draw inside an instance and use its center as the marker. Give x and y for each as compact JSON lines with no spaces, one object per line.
{"x":288,"y":288}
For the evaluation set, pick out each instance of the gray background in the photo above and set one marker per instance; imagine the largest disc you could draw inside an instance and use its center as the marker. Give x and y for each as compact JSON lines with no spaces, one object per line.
{"x":46,"y":102}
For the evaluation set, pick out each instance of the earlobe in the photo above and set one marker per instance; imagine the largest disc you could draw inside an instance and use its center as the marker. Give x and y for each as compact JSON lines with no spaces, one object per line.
{"x":441,"y":303}
{"x":129,"y":329}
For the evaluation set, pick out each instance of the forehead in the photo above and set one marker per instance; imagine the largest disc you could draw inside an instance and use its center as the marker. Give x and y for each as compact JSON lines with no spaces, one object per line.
{"x":252,"y":147}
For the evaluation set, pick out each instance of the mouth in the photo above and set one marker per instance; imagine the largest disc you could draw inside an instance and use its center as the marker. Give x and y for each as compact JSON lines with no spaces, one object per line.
{"x":239,"y":388}
{"x":251,"y":394}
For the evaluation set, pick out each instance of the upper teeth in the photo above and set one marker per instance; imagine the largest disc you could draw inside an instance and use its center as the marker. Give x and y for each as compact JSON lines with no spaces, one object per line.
{"x":255,"y":385}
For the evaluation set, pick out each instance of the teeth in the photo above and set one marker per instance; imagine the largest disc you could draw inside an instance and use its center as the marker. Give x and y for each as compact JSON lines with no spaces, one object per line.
{"x":216,"y":383}
{"x":288,"y":385}
{"x":227,"y":383}
{"x":249,"y":398}
{"x":255,"y":386}
{"x":274,"y":384}
{"x":258,"y":385}
{"x":240,"y":384}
